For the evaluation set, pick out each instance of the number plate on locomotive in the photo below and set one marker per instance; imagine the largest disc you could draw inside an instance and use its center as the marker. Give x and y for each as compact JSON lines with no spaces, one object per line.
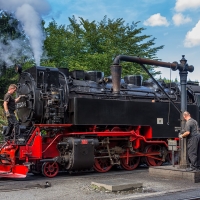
{"x":21,"y":104}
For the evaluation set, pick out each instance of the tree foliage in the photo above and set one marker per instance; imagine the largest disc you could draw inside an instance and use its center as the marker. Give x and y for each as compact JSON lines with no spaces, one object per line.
{"x":93,"y":45}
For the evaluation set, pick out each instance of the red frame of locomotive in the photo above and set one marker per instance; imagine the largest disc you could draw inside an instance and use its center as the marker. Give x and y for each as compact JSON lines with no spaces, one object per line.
{"x":35,"y":149}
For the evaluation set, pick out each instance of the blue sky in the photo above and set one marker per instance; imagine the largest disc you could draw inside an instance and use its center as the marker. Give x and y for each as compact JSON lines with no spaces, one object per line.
{"x":174,"y":23}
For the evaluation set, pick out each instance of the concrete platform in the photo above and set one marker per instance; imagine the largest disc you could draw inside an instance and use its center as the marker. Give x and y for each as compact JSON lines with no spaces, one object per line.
{"x":174,"y":172}
{"x":119,"y":184}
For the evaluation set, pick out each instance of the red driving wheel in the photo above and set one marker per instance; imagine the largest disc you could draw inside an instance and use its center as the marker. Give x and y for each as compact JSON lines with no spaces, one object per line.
{"x":102,"y":165}
{"x":153,"y":160}
{"x":50,"y":169}
{"x":131,"y":163}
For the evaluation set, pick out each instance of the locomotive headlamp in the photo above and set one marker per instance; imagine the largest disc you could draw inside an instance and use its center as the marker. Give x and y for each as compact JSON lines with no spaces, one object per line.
{"x":18,"y":68}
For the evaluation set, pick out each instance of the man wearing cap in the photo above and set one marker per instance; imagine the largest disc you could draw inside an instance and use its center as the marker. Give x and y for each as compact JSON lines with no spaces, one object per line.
{"x":9,"y":108}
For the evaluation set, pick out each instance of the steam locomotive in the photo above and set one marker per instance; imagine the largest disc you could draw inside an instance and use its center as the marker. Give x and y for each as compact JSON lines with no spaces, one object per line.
{"x":78,"y":120}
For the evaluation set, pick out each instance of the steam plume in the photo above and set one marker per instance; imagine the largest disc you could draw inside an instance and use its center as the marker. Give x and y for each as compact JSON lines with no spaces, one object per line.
{"x":29,"y":13}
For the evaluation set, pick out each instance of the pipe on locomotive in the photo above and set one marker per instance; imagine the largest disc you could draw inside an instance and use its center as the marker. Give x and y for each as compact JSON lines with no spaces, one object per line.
{"x":116,"y":68}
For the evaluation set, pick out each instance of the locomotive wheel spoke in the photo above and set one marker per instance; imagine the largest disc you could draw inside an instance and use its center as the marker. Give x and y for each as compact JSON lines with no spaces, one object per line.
{"x":130,"y":163}
{"x":152,"y":161}
{"x":50,"y":169}
{"x":102,"y":165}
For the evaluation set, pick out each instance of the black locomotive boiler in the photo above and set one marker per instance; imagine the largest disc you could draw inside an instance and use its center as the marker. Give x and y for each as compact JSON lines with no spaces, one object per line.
{"x":80,"y":120}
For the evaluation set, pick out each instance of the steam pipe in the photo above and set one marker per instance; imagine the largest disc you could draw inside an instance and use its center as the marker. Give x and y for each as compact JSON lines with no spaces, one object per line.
{"x":174,"y":66}
{"x":116,"y":71}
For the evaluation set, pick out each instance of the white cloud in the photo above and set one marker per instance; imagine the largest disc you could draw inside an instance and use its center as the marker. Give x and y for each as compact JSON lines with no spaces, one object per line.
{"x":179,"y":19}
{"x":192,"y":37}
{"x":156,"y":20}
{"x":182,"y":5}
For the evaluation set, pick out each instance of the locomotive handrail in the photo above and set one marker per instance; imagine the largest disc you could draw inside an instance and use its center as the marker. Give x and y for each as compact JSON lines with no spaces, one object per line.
{"x":67,"y":92}
{"x":52,"y":125}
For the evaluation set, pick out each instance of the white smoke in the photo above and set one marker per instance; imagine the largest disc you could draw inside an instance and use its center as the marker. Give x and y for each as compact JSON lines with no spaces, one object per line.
{"x":13,"y":51}
{"x":29,"y":13}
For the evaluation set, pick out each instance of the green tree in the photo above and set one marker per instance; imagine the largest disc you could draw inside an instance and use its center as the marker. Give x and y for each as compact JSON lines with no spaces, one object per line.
{"x":93,"y":45}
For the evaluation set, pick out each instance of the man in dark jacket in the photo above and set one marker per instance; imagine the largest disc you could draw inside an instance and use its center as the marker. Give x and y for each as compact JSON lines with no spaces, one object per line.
{"x":193,"y":141}
{"x":9,"y":108}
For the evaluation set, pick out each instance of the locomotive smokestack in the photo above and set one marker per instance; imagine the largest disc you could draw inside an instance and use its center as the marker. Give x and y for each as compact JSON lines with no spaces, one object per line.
{"x":116,"y":71}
